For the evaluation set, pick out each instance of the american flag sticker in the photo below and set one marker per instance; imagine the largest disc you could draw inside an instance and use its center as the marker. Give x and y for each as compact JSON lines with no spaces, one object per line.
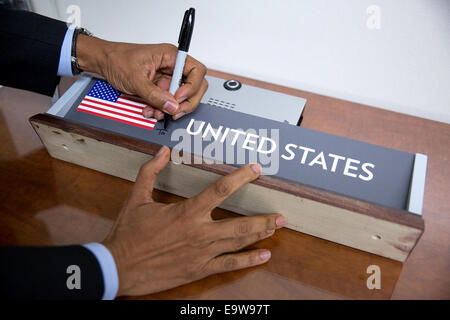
{"x":106,"y":102}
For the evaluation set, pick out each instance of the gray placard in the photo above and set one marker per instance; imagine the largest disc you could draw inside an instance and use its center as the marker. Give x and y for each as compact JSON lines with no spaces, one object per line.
{"x":391,"y":173}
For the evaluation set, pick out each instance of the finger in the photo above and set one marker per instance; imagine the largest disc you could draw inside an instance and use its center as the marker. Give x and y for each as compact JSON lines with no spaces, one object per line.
{"x":145,"y":181}
{"x":239,"y":243}
{"x":157,"y":97}
{"x":194,"y":73}
{"x":159,"y":115}
{"x":213,"y":195}
{"x":245,"y":226}
{"x":236,"y":261}
{"x":234,"y":228}
{"x":190,"y":104}
{"x":164,"y":82}
{"x":148,"y":112}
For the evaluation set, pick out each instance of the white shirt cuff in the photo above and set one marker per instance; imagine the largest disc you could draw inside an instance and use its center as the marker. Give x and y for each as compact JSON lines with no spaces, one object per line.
{"x":65,"y":63}
{"x":108,"y":267}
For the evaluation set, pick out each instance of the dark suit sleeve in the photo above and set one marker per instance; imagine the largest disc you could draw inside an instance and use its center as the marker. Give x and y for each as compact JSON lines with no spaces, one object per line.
{"x":30,"y":46}
{"x":42,"y":273}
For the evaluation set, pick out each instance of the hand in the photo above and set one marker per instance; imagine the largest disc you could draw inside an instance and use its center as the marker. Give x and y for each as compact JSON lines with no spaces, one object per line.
{"x":159,"y":246}
{"x":145,"y":70}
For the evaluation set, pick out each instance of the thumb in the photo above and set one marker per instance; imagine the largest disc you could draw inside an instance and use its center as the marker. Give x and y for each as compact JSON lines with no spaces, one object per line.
{"x":145,"y":181}
{"x":158,"y":98}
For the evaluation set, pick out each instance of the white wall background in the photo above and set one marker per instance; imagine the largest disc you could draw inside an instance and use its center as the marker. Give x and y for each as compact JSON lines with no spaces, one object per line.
{"x":319,"y":46}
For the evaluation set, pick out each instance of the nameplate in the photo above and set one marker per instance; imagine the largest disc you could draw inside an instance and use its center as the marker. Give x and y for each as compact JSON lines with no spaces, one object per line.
{"x":212,"y":134}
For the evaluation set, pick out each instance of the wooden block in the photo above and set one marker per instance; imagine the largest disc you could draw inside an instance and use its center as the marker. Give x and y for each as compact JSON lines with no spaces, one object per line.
{"x":366,"y":226}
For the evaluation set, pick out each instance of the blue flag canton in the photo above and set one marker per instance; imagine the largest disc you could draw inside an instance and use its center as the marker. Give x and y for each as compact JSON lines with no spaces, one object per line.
{"x":103,"y":90}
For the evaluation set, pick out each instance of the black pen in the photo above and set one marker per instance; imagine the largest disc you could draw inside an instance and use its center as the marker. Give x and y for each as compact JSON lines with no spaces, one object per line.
{"x":184,"y":40}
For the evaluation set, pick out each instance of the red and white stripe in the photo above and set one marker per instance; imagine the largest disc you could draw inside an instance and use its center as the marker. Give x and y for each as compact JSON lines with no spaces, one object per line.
{"x":125,"y":109}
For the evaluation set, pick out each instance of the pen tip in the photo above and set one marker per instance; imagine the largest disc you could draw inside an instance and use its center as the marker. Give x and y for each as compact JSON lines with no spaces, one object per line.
{"x":166,"y":120}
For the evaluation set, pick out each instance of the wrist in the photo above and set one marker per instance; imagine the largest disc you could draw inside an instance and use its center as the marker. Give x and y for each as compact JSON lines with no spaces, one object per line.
{"x":116,"y":256}
{"x":91,"y":53}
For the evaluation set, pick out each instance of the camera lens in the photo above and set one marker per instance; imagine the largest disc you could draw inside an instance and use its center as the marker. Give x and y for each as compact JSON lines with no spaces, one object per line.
{"x":232,"y":85}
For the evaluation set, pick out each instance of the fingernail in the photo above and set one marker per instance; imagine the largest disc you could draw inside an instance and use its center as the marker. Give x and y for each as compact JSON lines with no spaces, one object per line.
{"x":148,"y":113}
{"x":256,"y":168}
{"x":265,"y":255}
{"x":180,"y":100}
{"x":161,"y":151}
{"x":170,"y":107}
{"x":179,"y":115}
{"x":270,"y":231}
{"x":280,"y":221}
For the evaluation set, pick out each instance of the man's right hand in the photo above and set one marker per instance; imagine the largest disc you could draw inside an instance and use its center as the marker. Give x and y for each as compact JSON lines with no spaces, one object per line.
{"x":159,"y":246}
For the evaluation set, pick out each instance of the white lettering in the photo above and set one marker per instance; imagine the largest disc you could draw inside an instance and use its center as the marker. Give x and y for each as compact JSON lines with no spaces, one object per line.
{"x":319,"y":159}
{"x":288,"y":149}
{"x":191,"y":124}
{"x":305,"y":153}
{"x":348,"y":167}
{"x":214,"y":134}
{"x":262,"y":142}
{"x":369,"y":173}
{"x":248,"y":140}
{"x":335,"y":161}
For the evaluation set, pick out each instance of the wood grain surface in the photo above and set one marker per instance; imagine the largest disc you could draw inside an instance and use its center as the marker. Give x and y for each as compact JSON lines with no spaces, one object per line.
{"x":50,"y":202}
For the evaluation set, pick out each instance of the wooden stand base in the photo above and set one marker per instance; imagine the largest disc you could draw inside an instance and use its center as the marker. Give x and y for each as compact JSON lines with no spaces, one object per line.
{"x":365,"y":226}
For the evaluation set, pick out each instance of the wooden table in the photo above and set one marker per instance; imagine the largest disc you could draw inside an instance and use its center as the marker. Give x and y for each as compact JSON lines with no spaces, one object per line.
{"x":44,"y":201}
